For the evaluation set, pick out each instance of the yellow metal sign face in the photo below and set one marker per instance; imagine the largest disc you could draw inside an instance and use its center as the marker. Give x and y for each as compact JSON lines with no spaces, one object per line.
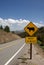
{"x":31,"y":39}
{"x":31,"y":28}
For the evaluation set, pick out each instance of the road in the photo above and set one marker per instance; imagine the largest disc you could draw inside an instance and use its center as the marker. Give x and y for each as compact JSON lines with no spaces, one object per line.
{"x":10,"y":52}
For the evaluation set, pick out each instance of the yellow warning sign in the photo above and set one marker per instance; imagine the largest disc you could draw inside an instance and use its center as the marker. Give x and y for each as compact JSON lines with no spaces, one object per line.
{"x":31,"y":28}
{"x":31,"y":39}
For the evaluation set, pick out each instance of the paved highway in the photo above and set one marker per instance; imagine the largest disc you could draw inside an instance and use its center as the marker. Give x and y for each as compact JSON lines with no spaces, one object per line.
{"x":11,"y":51}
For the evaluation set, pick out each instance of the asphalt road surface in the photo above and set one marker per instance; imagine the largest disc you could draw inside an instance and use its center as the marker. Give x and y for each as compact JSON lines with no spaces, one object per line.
{"x":10,"y":52}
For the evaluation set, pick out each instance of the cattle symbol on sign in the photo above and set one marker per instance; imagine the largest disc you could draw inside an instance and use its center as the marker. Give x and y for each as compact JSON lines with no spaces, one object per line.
{"x":31,"y":28}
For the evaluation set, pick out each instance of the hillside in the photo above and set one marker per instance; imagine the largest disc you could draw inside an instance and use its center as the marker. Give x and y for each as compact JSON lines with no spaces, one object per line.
{"x":7,"y":37}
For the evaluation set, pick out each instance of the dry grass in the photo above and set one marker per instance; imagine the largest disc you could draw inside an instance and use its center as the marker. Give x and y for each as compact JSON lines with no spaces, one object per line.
{"x":6,"y":37}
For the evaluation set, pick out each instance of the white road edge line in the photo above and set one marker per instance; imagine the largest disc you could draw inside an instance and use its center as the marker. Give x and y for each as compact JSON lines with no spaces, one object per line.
{"x":14,"y":55}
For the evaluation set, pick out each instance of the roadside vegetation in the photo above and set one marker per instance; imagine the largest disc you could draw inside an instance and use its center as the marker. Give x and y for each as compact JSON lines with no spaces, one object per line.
{"x":6,"y":29}
{"x":40,"y":36}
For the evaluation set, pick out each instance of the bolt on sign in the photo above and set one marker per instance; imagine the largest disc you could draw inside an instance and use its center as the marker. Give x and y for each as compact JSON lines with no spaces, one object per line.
{"x":31,"y":40}
{"x":31,"y":28}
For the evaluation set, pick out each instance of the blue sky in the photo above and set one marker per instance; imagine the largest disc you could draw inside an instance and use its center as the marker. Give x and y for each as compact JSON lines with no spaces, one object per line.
{"x":31,"y":10}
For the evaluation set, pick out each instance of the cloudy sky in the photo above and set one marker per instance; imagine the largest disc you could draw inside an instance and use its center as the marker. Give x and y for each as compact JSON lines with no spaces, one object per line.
{"x":18,"y":13}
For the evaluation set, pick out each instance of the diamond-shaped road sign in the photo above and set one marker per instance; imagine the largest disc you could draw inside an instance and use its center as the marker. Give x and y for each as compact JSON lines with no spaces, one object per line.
{"x":31,"y":40}
{"x":31,"y":28}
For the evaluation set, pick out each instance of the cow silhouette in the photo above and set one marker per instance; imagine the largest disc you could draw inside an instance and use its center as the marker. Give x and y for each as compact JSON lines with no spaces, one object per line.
{"x":31,"y":28}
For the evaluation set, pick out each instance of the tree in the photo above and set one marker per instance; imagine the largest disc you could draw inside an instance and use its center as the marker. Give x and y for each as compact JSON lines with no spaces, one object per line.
{"x":7,"y":29}
{"x":1,"y":27}
{"x":40,"y":35}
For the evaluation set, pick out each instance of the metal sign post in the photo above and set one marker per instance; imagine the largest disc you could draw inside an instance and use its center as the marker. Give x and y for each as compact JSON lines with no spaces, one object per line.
{"x":30,"y":50}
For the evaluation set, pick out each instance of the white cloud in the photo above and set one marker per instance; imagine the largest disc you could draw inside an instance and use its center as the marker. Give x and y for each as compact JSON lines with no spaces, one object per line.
{"x":39,"y":24}
{"x":12,"y":21}
{"x":17,"y":24}
{"x":3,"y":22}
{"x":20,"y":21}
